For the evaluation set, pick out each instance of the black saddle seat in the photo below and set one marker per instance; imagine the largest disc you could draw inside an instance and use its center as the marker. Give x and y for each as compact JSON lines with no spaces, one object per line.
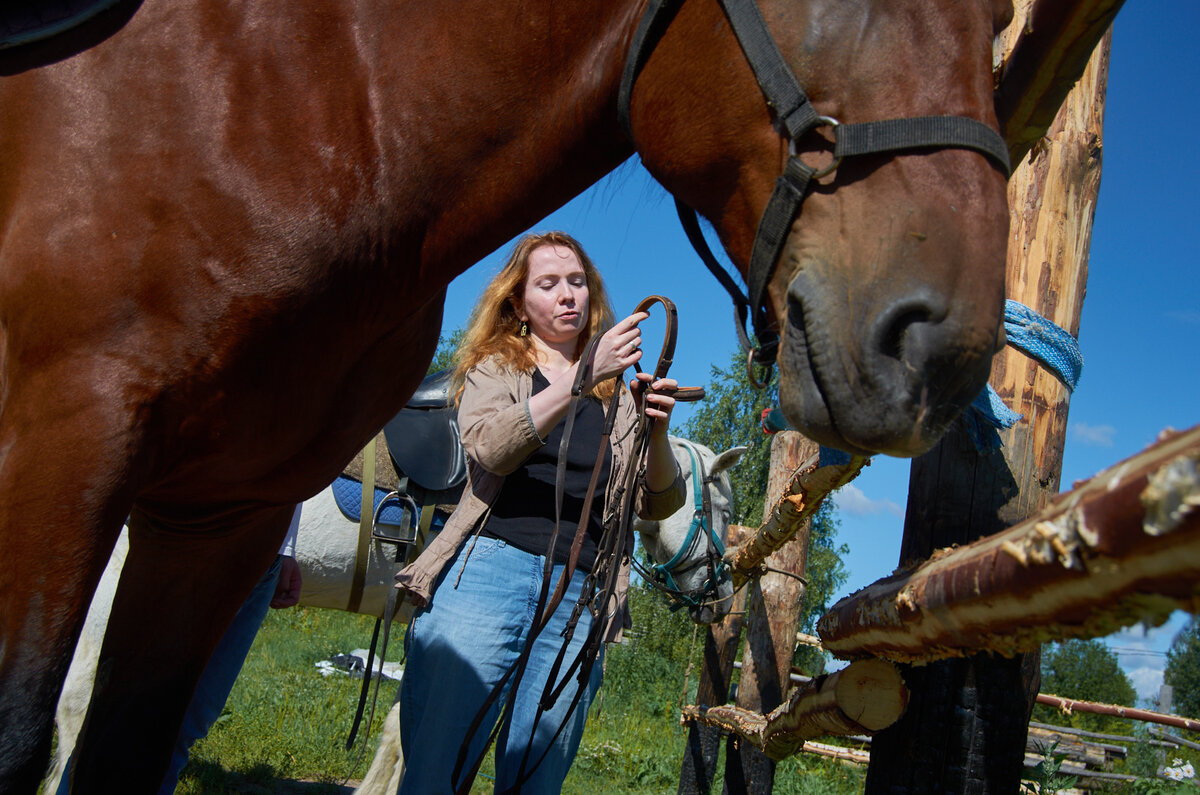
{"x":423,"y":438}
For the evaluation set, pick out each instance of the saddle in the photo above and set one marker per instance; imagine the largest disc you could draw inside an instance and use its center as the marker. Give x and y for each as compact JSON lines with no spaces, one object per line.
{"x":34,"y":34}
{"x":418,"y":453}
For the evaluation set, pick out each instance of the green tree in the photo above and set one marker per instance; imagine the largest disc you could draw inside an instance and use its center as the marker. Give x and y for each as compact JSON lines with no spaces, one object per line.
{"x":730,"y":415}
{"x":447,"y":348}
{"x":1183,"y":669}
{"x":1087,"y":670}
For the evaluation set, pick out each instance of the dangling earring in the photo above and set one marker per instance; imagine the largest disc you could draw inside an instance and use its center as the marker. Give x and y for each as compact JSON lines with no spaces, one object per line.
{"x":524,"y":328}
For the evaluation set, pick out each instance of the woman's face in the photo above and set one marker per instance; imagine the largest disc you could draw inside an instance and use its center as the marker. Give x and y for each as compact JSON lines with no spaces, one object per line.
{"x":556,"y":295}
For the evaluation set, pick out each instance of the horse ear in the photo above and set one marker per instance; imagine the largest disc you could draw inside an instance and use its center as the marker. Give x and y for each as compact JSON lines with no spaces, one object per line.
{"x":727,"y":459}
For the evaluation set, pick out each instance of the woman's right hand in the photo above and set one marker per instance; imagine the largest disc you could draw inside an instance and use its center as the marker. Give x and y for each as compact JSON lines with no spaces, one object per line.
{"x":618,"y":350}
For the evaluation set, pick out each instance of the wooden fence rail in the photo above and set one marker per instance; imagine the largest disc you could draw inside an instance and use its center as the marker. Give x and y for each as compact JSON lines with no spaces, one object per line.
{"x":1121,"y":548}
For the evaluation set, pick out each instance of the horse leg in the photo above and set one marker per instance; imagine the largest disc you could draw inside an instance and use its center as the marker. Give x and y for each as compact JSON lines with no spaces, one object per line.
{"x":58,"y":521}
{"x":178,"y":593}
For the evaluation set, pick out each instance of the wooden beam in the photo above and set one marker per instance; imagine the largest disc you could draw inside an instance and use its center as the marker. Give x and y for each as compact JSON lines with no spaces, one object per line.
{"x":773,"y":609}
{"x":1121,"y":548}
{"x":862,"y":698}
{"x":721,"y":642}
{"x":1069,"y":705}
{"x":1043,"y":55}
{"x":807,"y":487}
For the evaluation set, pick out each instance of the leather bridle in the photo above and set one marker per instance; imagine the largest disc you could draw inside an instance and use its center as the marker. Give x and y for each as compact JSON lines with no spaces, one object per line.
{"x":794,"y":118}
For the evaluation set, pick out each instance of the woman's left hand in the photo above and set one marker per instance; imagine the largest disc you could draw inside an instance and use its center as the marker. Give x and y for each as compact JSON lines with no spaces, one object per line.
{"x":659,"y":399}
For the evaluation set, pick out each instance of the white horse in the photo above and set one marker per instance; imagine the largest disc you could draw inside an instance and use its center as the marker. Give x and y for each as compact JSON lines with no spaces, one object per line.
{"x":327,"y":551}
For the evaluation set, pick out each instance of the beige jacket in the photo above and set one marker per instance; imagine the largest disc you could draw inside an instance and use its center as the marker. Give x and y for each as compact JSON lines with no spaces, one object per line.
{"x":498,"y":435}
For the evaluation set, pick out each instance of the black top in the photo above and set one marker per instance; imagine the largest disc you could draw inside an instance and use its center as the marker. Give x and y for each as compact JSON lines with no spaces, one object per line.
{"x":523,"y":513}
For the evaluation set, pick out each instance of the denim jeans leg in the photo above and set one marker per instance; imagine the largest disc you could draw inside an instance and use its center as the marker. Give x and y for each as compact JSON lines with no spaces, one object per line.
{"x":555,"y":762}
{"x":459,"y":647}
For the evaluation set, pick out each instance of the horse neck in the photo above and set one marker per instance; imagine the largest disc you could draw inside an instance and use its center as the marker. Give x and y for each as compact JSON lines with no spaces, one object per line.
{"x":508,"y":127}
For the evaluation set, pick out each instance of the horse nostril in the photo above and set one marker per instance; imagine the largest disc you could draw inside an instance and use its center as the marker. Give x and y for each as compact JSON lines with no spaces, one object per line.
{"x":895,"y":327}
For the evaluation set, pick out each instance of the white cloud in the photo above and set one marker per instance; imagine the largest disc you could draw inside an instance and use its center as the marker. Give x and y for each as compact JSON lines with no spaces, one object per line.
{"x":1094,"y":435}
{"x":1146,"y":680}
{"x":851,"y":500}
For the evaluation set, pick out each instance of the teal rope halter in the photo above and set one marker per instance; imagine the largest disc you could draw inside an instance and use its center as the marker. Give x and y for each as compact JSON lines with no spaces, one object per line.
{"x":663,"y":573}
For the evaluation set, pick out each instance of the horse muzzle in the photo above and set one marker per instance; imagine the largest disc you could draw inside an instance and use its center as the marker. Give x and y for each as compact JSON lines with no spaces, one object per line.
{"x":881,"y":370}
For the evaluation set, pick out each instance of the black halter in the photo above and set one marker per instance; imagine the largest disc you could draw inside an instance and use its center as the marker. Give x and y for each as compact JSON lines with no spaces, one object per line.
{"x":794,"y":117}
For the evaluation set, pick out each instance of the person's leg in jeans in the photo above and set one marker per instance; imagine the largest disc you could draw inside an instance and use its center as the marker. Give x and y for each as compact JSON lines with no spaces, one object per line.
{"x":552,"y":750}
{"x":459,"y":647}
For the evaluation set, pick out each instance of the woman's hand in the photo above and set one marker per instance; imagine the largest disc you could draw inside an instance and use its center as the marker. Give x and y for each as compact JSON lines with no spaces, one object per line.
{"x":661,"y":468}
{"x":659,"y":400}
{"x":618,"y":350}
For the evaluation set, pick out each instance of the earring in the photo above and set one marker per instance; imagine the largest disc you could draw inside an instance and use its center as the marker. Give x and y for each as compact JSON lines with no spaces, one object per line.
{"x":524,"y":328}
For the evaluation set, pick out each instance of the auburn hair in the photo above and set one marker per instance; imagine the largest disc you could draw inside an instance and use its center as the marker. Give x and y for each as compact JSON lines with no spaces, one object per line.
{"x":494,"y":329}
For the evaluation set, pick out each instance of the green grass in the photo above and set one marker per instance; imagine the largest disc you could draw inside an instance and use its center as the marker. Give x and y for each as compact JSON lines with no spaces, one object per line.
{"x":285,"y":725}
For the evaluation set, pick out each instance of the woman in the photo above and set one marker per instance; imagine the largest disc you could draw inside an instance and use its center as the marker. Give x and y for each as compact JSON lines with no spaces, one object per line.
{"x":477,"y":583}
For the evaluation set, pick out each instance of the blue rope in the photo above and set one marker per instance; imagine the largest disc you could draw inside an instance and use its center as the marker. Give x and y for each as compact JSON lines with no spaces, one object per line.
{"x":1044,"y":342}
{"x":1050,"y":345}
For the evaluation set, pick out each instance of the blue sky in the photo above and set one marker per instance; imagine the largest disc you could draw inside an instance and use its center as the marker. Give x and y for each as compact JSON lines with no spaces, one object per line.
{"x":1140,"y":322}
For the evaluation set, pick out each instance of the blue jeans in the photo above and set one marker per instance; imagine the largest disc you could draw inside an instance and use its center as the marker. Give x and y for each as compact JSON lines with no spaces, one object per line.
{"x":461,"y":645}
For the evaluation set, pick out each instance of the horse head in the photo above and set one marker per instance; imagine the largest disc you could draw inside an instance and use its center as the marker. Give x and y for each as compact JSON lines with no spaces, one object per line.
{"x":886,"y":287}
{"x":689,"y":544}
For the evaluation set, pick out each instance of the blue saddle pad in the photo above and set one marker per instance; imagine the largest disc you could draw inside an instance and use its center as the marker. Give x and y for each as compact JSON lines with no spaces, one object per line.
{"x":347,"y":493}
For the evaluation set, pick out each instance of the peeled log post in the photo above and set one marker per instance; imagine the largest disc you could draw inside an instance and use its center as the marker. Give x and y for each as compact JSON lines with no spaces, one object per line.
{"x":721,"y":642}
{"x":1122,"y":548}
{"x":862,"y":698}
{"x":773,"y":610}
{"x":965,"y":725}
{"x":1047,"y":52}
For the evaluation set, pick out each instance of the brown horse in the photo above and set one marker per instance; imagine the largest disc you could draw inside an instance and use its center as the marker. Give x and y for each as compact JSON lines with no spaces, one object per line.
{"x":226,"y":231}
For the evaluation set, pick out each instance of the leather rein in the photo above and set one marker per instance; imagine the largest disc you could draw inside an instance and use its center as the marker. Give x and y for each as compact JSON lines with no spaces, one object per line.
{"x":599,"y":592}
{"x":794,"y":118}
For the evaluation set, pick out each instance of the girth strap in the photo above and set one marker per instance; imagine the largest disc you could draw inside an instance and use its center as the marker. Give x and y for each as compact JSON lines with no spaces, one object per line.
{"x":363,"y":551}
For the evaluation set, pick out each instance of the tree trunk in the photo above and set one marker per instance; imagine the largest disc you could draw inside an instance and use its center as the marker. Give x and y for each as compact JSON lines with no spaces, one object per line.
{"x":965,"y":729}
{"x":772,"y":615}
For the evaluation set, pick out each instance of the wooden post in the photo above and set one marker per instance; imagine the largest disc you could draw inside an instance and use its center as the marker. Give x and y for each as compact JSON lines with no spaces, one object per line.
{"x":720,"y":648}
{"x":964,"y":730}
{"x":772,"y":614}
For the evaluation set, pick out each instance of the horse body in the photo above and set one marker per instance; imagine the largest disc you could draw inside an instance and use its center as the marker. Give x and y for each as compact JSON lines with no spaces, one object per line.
{"x":217,"y":202}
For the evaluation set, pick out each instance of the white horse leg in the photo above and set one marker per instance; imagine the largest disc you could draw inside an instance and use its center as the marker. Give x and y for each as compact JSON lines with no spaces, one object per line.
{"x":387,"y":768}
{"x":77,"y":690}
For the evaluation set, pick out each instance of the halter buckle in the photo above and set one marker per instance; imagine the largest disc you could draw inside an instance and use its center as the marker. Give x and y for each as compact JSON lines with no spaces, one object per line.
{"x":822,"y":121}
